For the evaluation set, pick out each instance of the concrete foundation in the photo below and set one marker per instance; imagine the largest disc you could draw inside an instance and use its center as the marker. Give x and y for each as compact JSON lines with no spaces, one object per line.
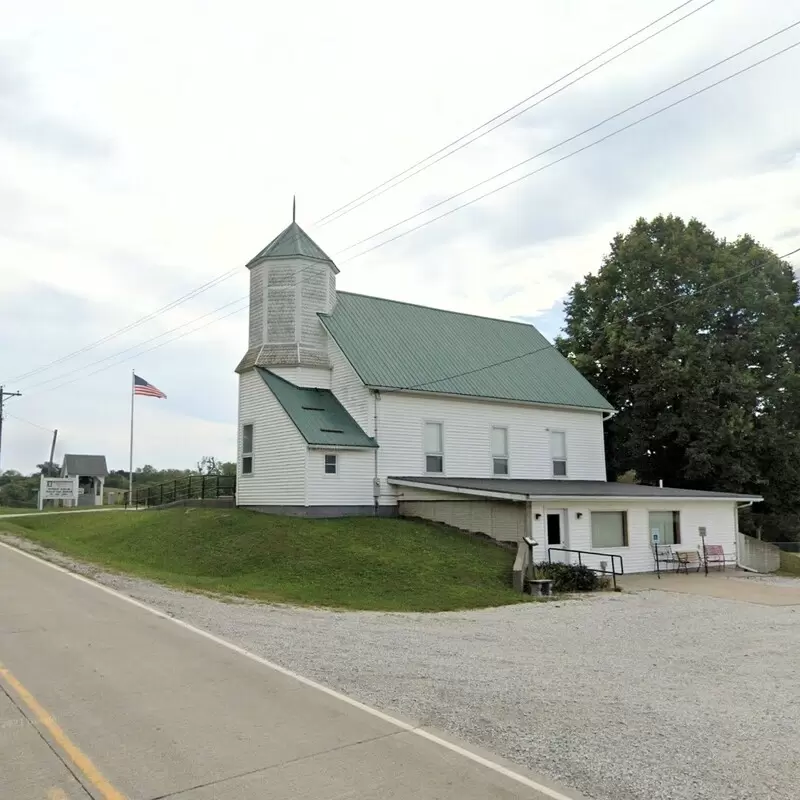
{"x":325,"y":511}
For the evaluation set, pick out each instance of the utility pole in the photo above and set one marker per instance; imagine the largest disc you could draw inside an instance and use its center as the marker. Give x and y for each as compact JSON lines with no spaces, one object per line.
{"x":52,"y":452}
{"x":3,"y":395}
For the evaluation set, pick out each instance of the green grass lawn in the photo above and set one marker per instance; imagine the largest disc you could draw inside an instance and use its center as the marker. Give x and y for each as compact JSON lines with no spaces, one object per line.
{"x":356,"y":563}
{"x":4,"y":510}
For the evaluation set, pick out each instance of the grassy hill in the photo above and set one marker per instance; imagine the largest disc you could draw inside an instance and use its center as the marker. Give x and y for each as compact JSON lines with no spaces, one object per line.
{"x":356,"y":563}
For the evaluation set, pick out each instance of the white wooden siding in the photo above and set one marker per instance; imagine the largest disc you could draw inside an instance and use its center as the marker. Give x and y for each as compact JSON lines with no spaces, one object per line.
{"x":719,"y":518}
{"x":279,"y":451}
{"x":349,"y":390}
{"x":493,"y":518}
{"x":467,"y":437}
{"x":350,"y":486}
{"x":315,"y":377}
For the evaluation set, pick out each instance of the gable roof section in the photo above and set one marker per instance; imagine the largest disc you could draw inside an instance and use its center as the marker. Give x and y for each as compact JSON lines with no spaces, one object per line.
{"x":76,"y":464}
{"x":321,"y":419}
{"x":395,"y":345}
{"x":293,"y":242}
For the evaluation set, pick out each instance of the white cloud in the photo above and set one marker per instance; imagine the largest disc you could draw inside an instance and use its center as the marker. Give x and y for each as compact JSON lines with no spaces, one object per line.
{"x":162,"y":143}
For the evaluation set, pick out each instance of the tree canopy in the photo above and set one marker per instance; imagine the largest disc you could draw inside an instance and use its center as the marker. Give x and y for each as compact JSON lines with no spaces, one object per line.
{"x":696,"y":341}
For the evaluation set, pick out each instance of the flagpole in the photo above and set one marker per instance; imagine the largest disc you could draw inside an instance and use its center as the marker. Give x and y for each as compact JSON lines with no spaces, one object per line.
{"x":130,"y":463}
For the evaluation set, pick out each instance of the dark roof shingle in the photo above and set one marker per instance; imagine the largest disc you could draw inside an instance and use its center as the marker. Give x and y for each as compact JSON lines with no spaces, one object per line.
{"x":77,"y":464}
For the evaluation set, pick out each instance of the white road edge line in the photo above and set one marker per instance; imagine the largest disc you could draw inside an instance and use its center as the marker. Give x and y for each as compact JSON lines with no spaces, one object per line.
{"x":484,"y":762}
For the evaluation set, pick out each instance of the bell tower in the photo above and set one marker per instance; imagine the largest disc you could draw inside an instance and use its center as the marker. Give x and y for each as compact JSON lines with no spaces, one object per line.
{"x":291,"y":280}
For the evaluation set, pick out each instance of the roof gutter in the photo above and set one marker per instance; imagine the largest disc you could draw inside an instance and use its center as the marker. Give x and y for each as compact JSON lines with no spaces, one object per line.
{"x":460,"y":490}
{"x":482,"y":399}
{"x":554,"y":498}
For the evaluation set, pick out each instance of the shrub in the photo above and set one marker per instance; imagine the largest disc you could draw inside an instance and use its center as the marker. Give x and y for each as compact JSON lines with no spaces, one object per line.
{"x":568,"y":577}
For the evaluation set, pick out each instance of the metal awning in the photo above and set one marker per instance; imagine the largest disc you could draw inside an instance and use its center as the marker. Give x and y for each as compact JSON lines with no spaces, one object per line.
{"x":550,"y":490}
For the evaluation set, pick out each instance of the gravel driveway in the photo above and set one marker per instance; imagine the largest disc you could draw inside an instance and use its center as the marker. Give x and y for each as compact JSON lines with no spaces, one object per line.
{"x":644,"y":696}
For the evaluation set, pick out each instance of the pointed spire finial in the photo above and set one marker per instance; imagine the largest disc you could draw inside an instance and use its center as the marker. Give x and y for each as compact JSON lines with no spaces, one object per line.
{"x":294,"y":207}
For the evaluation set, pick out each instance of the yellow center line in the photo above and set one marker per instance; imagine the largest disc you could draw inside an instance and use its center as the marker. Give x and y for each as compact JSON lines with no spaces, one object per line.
{"x":79,"y":759}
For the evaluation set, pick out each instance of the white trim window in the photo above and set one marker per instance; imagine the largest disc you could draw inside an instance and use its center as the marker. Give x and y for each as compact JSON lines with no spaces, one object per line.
{"x":500,"y":451}
{"x":247,"y":448}
{"x":433,"y":443}
{"x":331,"y":464}
{"x":609,"y":529}
{"x":558,"y":453}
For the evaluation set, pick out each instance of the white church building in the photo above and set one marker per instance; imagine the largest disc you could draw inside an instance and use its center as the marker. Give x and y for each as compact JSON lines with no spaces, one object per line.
{"x":353,"y":405}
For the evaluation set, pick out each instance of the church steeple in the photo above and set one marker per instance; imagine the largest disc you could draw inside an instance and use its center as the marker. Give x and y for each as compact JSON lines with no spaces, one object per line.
{"x":293,"y":242}
{"x":292,"y":280}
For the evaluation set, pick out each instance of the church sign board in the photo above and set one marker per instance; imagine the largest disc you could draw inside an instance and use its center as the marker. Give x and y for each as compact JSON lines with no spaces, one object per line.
{"x":57,"y":489}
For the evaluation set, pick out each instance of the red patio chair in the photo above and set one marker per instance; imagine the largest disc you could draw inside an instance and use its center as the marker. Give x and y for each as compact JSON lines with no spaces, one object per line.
{"x":715,"y":555}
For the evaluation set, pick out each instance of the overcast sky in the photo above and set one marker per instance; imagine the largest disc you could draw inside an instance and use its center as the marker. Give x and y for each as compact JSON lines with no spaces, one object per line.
{"x":147,"y":148}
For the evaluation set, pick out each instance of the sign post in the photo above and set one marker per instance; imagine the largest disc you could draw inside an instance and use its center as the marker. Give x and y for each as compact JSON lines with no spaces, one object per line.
{"x":655,"y":537}
{"x":702,"y":532}
{"x":57,"y":489}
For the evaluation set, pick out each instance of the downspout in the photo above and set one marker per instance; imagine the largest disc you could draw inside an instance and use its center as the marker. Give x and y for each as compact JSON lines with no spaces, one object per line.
{"x":376,"y":483}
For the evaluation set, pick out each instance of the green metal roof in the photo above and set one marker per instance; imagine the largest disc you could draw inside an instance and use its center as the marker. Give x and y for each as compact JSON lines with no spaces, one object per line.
{"x":396,"y":345}
{"x":290,"y":243}
{"x":317,"y":414}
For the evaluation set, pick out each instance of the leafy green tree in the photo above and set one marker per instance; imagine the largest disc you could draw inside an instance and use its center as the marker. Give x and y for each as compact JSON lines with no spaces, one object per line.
{"x":696,"y":341}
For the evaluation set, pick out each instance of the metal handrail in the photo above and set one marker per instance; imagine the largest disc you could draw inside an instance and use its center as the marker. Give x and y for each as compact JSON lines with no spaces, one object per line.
{"x":189,"y":488}
{"x":612,"y":556}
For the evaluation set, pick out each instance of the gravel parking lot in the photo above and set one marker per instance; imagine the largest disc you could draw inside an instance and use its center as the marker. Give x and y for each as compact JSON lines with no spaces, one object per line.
{"x":624,"y":697}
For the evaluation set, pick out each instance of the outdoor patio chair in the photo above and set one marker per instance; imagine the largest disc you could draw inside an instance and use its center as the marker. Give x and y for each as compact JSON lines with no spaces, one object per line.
{"x":715,"y":556}
{"x":688,"y":558}
{"x":665,"y":555}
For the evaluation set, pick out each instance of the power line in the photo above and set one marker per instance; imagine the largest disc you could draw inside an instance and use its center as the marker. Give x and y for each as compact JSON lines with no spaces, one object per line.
{"x":142,"y":352}
{"x":152,"y":315}
{"x":224,"y":276}
{"x":571,"y":154}
{"x":28,"y":422}
{"x":188,"y":296}
{"x":575,"y":136}
{"x":381,"y":244}
{"x":443,"y":153}
{"x":139,"y":344}
{"x":549,"y":346}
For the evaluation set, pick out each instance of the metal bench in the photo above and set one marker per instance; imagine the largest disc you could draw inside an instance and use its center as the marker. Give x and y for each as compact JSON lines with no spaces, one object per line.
{"x":688,"y":558}
{"x":664,"y":554}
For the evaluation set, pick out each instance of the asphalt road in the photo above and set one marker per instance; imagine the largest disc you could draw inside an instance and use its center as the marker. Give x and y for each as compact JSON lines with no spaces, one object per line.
{"x":100,"y":697}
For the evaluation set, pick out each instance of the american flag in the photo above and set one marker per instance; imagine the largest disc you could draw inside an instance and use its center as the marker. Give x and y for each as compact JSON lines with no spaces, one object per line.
{"x":141,"y":386}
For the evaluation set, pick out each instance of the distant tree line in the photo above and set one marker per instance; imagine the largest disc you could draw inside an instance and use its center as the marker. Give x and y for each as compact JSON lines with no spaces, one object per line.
{"x":20,"y":491}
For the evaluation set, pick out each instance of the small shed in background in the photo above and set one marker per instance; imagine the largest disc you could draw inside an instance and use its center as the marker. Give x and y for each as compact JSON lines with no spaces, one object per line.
{"x":91,"y":472}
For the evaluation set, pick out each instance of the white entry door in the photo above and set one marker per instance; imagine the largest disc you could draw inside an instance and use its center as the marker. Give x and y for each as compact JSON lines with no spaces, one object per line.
{"x":556,"y":531}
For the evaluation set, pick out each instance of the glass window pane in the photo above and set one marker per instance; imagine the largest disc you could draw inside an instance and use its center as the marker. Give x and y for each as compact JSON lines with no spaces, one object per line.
{"x":330,"y":464}
{"x":500,"y":442}
{"x":666,"y":523}
{"x":560,"y":469}
{"x":247,"y":438}
{"x":433,"y":437}
{"x":558,"y":445}
{"x":247,"y":465}
{"x":500,"y":466}
{"x":608,"y":529}
{"x":433,"y":463}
